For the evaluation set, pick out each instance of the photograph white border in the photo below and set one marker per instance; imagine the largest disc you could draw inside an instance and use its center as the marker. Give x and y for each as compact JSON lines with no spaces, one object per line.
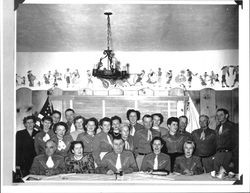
{"x":8,"y":107}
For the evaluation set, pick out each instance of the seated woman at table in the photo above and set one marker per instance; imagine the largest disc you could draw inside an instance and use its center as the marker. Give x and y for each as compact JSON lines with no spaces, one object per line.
{"x":79,"y":125}
{"x":62,"y":140}
{"x":90,"y":127}
{"x":156,"y":161}
{"x":188,"y":164}
{"x":102,"y":143}
{"x":119,"y":160}
{"x":79,"y":162}
{"x":49,"y":163}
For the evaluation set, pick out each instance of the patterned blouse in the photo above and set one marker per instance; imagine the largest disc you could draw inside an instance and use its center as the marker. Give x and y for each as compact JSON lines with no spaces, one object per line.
{"x":84,"y":165}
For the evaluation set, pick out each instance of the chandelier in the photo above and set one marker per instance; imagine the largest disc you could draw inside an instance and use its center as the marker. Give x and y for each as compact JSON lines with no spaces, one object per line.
{"x":113,"y":70}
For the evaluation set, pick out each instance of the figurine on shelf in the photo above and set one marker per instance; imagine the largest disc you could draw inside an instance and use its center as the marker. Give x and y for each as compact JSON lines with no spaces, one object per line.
{"x":169,"y":76}
{"x":216,"y":78}
{"x":212,"y":78}
{"x":46,"y":79}
{"x":139,"y":78}
{"x":89,"y":75}
{"x":225,"y":70}
{"x":75,"y":76}
{"x":151,"y":77}
{"x":31,"y":78}
{"x":203,"y":82}
{"x":190,"y":75}
{"x":159,"y":76}
{"x":67,"y":76}
{"x":180,"y":78}
{"x":236,"y":72}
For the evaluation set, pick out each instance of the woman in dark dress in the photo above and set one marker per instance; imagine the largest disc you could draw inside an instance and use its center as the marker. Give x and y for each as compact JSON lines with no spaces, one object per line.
{"x":79,"y":162}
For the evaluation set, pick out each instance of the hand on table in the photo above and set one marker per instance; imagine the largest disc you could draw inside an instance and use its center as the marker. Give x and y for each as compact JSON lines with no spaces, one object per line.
{"x":188,"y":172}
{"x":49,"y":172}
{"x":110,"y":172}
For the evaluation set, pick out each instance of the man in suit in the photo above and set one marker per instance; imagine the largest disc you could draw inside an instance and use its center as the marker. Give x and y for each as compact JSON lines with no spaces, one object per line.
{"x":69,"y":116}
{"x":205,"y":140}
{"x":49,"y":163}
{"x":25,"y":150}
{"x":227,"y":138}
{"x":156,"y":160}
{"x":118,"y":160}
{"x":143,"y":138}
{"x":56,"y":116}
{"x":183,"y":122}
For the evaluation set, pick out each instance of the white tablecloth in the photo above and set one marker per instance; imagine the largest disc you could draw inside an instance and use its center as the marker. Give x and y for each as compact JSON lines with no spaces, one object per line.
{"x":138,"y":177}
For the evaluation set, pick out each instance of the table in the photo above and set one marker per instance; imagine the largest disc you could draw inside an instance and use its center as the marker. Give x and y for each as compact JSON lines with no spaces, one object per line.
{"x":134,"y":178}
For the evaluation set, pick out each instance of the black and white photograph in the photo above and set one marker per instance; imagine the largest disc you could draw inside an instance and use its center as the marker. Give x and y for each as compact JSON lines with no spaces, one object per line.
{"x":135,"y":96}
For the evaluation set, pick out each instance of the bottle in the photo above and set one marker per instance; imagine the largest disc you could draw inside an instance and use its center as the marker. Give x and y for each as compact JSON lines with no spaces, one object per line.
{"x":17,"y":176}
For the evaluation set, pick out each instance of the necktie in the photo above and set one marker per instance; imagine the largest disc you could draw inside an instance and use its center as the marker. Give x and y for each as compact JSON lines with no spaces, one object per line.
{"x":202,"y":135}
{"x":156,"y":163}
{"x":50,"y":162}
{"x":149,"y":135}
{"x":46,"y":137}
{"x":72,"y":128}
{"x":118,"y":164}
{"x":109,"y":140}
{"x":127,"y":147}
{"x":132,"y":130}
{"x":220,"y":130}
{"x":61,"y":145}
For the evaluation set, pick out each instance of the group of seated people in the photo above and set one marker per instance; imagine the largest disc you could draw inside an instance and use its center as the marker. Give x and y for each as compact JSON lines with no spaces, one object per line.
{"x":109,"y":146}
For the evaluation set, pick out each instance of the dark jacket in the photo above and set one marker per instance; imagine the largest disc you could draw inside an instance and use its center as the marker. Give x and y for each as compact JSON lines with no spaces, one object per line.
{"x":87,"y":142}
{"x":127,"y":161}
{"x":25,"y":150}
{"x":193,"y":164}
{"x":39,"y":166}
{"x":206,"y":147}
{"x":141,"y":143}
{"x":163,"y":162}
{"x":101,"y":144}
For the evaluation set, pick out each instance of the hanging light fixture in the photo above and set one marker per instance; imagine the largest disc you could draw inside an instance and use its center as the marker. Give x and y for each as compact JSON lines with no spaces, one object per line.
{"x":113,"y":70}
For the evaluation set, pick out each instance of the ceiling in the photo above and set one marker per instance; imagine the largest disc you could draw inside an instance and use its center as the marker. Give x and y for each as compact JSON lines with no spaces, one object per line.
{"x":135,"y":27}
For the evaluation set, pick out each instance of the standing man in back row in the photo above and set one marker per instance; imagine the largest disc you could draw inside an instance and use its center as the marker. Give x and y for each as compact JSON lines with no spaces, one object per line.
{"x":69,"y":116}
{"x":183,"y":122}
{"x":143,"y":138}
{"x":205,"y":140}
{"x":227,"y":137}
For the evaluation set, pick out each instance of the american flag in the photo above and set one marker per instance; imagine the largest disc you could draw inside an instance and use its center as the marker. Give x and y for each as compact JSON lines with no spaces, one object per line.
{"x":47,"y":109}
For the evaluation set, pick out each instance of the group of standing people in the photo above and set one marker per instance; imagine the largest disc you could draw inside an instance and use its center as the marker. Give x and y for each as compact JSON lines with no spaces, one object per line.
{"x":110,"y":146}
